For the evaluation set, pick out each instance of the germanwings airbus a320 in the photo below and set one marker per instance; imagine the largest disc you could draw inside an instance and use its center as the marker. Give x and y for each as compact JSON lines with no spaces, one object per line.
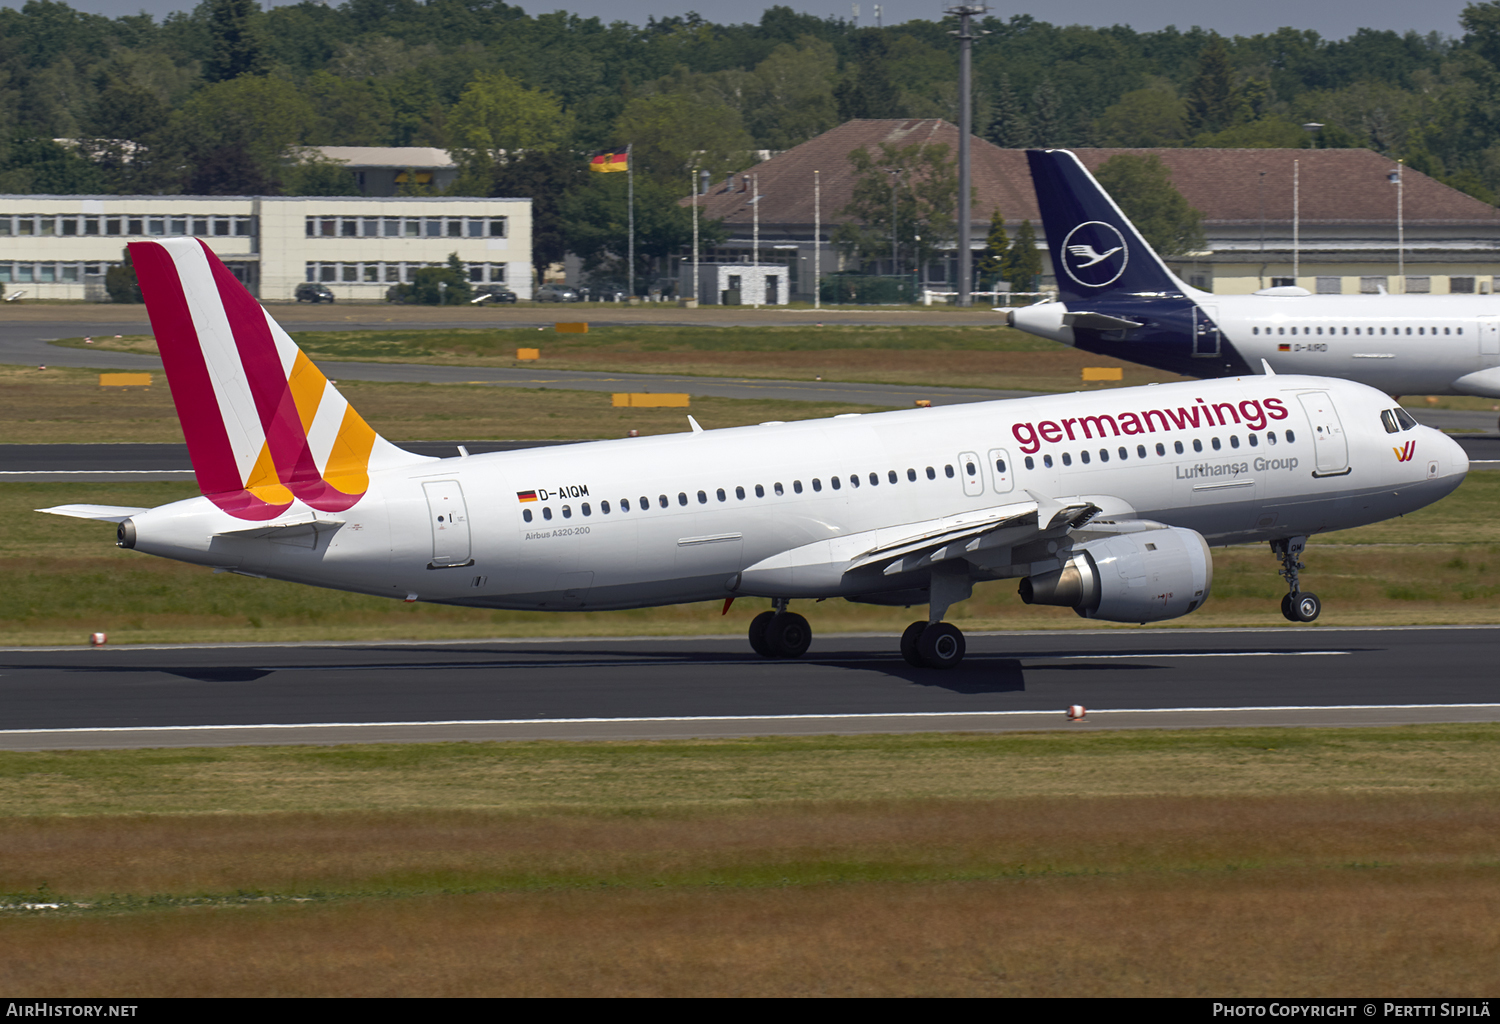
{"x":1117,"y":298}
{"x":1106,"y":503}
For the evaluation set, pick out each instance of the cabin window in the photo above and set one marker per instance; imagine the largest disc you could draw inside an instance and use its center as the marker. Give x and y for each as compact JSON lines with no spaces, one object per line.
{"x":721,"y":495}
{"x":931,"y":475}
{"x":1294,"y":332}
{"x":584,"y":508}
{"x":1161,"y":449}
{"x":567,"y":511}
{"x":1084,"y":455}
{"x":779,"y":491}
{"x":739,"y":492}
{"x":702,"y":498}
{"x":1255,"y":330}
{"x":853,"y":479}
{"x":546,"y":513}
{"x":817,"y":484}
{"x":999,"y":465}
{"x":874,"y":479}
{"x":526,"y":514}
{"x":1177,"y":445}
{"x":891,"y":475}
{"x":1291,"y":438}
{"x":1197,"y":445}
{"x":1234,"y":440}
{"x":661,"y":499}
{"x":1419,"y":330}
{"x":796,"y":486}
{"x":1030,"y":462}
{"x":1047,"y":461}
{"x":604,"y":507}
{"x":1281,"y":330}
{"x":834,"y":482}
{"x":1458,"y":330}
{"x":911,"y":475}
{"x":682,"y":497}
{"x":1270,"y":437}
{"x":1067,"y":459}
{"x":1125,"y":452}
{"x":1216,"y":444}
{"x":1254,"y":441}
{"x":1447,"y":330}
{"x":760,"y":492}
{"x":948,"y":471}
{"x":1104,"y":454}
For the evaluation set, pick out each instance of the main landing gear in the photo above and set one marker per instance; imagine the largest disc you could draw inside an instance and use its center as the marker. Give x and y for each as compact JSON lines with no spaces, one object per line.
{"x":780,"y":633}
{"x":1296,"y":606}
{"x":932,"y":645}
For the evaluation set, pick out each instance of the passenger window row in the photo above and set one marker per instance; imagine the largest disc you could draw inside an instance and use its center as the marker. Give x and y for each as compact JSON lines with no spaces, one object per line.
{"x":740,"y":494}
{"x":1141,"y":451}
{"x":1368,"y":331}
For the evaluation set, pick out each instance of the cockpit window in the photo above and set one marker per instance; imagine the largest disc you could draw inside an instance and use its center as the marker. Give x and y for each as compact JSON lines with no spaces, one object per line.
{"x":1388,"y":417}
{"x":1405,"y":419}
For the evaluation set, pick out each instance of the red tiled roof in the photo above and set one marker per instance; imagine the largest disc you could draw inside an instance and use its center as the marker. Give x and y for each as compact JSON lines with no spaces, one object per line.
{"x":1337,"y":186}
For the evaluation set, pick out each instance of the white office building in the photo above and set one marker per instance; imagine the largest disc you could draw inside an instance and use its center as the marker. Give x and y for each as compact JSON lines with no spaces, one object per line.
{"x":59,"y":247}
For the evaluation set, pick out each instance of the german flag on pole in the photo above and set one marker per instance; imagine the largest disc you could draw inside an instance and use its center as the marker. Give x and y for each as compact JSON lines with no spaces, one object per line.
{"x":606,"y":163}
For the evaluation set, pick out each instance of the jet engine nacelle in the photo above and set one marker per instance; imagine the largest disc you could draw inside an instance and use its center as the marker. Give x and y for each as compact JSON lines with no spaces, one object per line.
{"x":1140,"y":576}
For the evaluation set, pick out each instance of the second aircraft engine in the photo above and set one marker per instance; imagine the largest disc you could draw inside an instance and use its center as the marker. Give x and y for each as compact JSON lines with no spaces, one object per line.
{"x":1139,"y":576}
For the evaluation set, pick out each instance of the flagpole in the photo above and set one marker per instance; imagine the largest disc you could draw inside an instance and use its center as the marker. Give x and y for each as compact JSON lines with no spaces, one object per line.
{"x":630,"y":260}
{"x":693,"y":184}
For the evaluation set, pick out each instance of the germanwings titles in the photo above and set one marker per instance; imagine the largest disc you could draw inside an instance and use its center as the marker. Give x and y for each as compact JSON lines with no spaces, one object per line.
{"x":1107,"y":503}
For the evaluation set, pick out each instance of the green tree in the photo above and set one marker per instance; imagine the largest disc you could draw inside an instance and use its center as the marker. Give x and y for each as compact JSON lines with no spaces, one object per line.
{"x":596,"y":224}
{"x":446,"y":285}
{"x":991,"y":265}
{"x":791,"y":94}
{"x":47,"y":167}
{"x":495,"y":120}
{"x":1212,"y":104}
{"x":1047,"y":120}
{"x":237,"y":133}
{"x":547,"y":179}
{"x":1145,"y":119}
{"x":1009,"y":128}
{"x":1142,"y":186}
{"x":120,"y":282}
{"x":1022,"y":265}
{"x":924,"y":179}
{"x":315,"y":175}
{"x":867,"y":89}
{"x":235,"y":47}
{"x":673,"y":133}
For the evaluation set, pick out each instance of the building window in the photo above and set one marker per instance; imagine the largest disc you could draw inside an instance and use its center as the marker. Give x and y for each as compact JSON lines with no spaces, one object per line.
{"x":1372,"y":285}
{"x":1330,"y":285}
{"x":1461,"y":285}
{"x":1418,"y":285}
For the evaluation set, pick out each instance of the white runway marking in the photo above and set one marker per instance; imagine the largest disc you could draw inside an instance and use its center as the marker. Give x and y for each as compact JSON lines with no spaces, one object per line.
{"x":861,"y":716}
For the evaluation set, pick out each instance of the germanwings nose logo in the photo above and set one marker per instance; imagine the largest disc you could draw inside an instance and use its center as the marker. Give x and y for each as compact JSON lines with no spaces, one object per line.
{"x":1094,"y":254}
{"x":1406,"y":451}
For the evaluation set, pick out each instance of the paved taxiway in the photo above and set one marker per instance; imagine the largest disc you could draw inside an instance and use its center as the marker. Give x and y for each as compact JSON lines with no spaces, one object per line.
{"x":713,"y":686}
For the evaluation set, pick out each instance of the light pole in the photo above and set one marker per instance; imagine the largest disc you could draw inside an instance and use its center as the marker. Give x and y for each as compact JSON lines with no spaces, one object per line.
{"x":964,"y":13}
{"x":1396,"y":178}
{"x":895,"y":173}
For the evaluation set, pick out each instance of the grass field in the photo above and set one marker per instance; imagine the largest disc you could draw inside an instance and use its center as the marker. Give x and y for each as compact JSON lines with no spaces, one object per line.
{"x":65,"y":579}
{"x":977,"y":356}
{"x":1213,"y":862}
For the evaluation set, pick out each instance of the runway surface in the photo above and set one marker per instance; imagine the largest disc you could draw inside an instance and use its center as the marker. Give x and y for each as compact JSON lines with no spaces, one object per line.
{"x":666,"y":687}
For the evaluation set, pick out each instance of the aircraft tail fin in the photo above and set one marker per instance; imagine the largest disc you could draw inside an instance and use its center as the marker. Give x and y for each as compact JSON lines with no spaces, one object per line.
{"x":1095,"y":248}
{"x":264,"y":427}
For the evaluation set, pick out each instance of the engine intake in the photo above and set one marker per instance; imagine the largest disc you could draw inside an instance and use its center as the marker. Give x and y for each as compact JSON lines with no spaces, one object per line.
{"x":1141,"y":576}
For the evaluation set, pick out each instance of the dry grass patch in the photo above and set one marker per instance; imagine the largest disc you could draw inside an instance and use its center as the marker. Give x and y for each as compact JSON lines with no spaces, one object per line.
{"x":1281,"y":932}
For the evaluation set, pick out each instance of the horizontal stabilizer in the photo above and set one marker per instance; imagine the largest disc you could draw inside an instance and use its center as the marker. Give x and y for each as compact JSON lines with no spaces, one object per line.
{"x":102,"y":513}
{"x":1098,"y":322}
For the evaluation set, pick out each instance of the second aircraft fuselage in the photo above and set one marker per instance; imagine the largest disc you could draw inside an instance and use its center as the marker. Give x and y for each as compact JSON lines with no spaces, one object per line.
{"x":669,"y":519}
{"x":1415,"y":345}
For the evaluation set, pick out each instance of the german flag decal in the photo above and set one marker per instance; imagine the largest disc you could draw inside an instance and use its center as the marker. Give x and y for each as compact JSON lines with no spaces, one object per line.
{"x":526,"y":496}
{"x":604,"y":163}
{"x":1283,"y":348}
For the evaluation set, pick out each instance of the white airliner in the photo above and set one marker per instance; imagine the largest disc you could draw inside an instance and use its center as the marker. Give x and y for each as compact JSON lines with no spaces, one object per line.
{"x":1106,"y":502}
{"x":1127,"y":304}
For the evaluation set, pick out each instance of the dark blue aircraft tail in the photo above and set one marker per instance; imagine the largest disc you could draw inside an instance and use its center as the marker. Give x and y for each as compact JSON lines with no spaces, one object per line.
{"x":1095,"y":249}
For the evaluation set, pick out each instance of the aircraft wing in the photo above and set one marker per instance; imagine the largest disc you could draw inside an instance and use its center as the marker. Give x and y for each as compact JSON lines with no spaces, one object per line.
{"x":824,"y":565}
{"x":102,"y":513}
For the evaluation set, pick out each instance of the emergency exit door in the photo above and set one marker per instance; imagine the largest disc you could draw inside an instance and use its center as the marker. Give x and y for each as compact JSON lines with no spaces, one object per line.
{"x":450,"y":524}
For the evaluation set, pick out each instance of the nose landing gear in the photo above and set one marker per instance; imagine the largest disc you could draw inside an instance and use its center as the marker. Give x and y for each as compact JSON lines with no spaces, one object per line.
{"x":1296,"y":606}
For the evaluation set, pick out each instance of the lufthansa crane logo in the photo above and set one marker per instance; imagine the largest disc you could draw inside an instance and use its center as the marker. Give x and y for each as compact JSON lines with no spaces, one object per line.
{"x":1094,"y":254}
